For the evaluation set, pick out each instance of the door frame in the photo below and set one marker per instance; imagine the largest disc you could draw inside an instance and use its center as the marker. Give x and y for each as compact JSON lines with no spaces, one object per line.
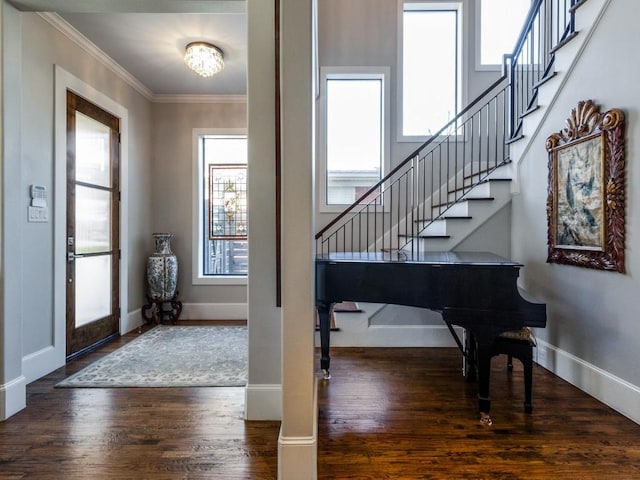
{"x":64,"y":81}
{"x":94,"y":331}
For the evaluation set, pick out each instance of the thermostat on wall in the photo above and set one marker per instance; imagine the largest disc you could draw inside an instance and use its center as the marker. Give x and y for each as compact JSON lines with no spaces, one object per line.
{"x":38,"y":196}
{"x":38,"y":211}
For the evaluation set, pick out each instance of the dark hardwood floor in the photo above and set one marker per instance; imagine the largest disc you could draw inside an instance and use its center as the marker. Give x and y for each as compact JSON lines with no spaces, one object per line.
{"x":409,"y":414}
{"x":385,"y":414}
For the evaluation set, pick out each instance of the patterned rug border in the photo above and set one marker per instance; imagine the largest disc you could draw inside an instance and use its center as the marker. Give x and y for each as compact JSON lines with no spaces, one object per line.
{"x":156,"y":359}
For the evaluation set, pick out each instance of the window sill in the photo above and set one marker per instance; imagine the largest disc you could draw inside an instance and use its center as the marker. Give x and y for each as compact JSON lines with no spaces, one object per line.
{"x":221,"y":280}
{"x":488,"y":67}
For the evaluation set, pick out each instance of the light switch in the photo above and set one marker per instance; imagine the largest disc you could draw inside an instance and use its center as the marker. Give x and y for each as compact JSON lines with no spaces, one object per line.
{"x":38,"y":214}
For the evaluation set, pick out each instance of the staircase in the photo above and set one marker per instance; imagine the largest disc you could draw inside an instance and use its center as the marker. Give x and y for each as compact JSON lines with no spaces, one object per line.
{"x":467,"y":172}
{"x":460,"y":177}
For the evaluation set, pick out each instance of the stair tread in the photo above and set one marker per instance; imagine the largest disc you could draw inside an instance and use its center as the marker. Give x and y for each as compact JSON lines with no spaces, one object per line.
{"x":529,"y":111}
{"x":577,"y":5}
{"x":486,"y":180}
{"x":422,"y":235}
{"x":485,"y":170}
{"x":545,"y":79}
{"x":444,"y":217}
{"x":462,"y":200}
{"x":563,"y":42}
{"x":514,"y":139}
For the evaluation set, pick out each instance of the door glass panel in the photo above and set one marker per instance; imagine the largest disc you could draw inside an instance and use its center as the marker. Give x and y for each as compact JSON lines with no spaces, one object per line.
{"x":92,"y":151}
{"x":93,"y":288}
{"x":93,"y":220}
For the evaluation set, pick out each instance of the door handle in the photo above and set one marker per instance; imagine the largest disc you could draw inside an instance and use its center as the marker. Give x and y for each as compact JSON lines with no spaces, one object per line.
{"x":71,"y":256}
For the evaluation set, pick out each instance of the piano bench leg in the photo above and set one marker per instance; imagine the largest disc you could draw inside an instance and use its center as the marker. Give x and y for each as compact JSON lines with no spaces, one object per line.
{"x":527,"y":363}
{"x":523,"y":351}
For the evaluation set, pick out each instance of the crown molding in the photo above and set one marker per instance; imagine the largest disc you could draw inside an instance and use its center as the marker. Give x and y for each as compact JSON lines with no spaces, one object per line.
{"x":87,"y":45}
{"x":92,"y":49}
{"x":133,"y":6}
{"x":165,"y":98}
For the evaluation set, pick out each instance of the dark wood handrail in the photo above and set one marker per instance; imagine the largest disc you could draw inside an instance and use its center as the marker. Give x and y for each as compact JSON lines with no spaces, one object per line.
{"x":412,"y":155}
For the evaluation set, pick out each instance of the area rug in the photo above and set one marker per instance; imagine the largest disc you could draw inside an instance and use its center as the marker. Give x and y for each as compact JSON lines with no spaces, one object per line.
{"x":171,"y":356}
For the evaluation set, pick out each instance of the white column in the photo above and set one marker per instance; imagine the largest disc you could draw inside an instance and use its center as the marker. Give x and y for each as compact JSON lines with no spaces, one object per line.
{"x":297,"y":454}
{"x":12,"y":216}
{"x":263,"y":392}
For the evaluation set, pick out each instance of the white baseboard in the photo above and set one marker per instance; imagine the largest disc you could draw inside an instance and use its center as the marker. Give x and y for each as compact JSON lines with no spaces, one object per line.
{"x":192,"y":311}
{"x":214,"y":311}
{"x":298,"y":456}
{"x":13,"y":397}
{"x":613,"y":391}
{"x":131,"y":321}
{"x":263,"y":402}
{"x":42,"y":362}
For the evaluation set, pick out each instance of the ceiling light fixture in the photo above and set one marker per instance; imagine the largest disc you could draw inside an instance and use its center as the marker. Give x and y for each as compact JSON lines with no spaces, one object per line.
{"x":204,"y":58}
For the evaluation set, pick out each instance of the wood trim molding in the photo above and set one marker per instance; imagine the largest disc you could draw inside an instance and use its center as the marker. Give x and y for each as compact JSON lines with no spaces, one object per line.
{"x":278,"y":157}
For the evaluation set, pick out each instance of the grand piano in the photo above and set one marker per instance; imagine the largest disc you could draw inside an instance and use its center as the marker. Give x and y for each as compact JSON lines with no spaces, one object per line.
{"x":473,"y":290}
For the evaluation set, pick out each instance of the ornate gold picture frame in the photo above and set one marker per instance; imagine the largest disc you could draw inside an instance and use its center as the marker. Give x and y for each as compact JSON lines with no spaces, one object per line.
{"x":586,"y":190}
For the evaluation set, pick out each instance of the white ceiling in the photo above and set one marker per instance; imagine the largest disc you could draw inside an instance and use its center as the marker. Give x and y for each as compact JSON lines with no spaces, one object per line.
{"x":147,"y":38}
{"x":150,"y":46}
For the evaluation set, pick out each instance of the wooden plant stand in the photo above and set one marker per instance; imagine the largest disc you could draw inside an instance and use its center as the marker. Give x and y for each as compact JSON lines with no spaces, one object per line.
{"x":159,"y":310}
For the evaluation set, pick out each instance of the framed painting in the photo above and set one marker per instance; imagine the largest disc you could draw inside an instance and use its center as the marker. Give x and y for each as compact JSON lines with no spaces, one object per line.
{"x":586,"y":190}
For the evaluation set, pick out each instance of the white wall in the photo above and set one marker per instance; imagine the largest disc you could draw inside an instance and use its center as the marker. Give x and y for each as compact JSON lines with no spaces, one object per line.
{"x":364,"y":33}
{"x":12,"y":382}
{"x":592,"y":333}
{"x":173,"y":191}
{"x":34,"y":48}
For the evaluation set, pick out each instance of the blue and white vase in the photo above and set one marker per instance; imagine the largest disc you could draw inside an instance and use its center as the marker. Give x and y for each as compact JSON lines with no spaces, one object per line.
{"x":162,"y":269}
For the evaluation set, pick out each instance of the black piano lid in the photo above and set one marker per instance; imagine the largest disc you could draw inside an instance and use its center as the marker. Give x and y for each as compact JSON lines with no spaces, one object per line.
{"x":430,"y":258}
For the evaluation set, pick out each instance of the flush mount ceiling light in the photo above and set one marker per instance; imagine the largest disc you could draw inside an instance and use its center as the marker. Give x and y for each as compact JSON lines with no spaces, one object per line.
{"x":203,"y":58}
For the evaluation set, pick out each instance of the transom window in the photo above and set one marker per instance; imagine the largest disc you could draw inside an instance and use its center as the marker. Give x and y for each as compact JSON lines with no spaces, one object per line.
{"x":500,"y":24}
{"x":430,"y":53}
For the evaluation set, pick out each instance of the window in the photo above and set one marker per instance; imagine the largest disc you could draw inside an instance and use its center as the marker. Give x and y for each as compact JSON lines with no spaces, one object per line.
{"x":221,"y":226}
{"x":430,"y":53}
{"x":354,"y":111}
{"x":500,"y":23}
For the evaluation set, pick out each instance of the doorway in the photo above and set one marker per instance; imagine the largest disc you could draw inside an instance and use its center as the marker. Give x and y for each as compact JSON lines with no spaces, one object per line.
{"x":93,"y":219}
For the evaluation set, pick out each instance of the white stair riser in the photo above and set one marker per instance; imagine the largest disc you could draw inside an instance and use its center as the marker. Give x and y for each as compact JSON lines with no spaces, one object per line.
{"x":459,"y":229}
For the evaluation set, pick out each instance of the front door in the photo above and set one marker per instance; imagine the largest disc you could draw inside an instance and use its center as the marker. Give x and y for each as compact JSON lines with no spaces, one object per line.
{"x":93,"y":239}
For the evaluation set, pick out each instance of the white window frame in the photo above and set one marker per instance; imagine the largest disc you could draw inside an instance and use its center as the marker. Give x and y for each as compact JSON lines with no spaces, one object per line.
{"x":346,"y":73}
{"x":482,"y":67}
{"x":197,"y":277}
{"x":459,"y":6}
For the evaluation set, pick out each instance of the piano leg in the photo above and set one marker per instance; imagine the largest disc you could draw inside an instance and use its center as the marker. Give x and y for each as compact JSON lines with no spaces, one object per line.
{"x":324,"y":313}
{"x":484,"y":374}
{"x":471,"y":356}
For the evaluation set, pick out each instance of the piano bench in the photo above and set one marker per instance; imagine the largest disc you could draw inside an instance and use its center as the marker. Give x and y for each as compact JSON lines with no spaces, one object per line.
{"x":518,"y":344}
